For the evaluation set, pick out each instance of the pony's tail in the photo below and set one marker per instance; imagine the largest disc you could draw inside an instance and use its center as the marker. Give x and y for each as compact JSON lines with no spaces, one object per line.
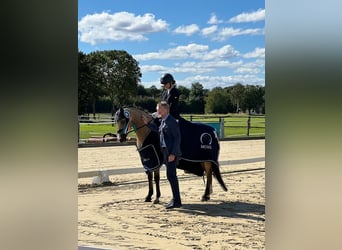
{"x":218,"y":176}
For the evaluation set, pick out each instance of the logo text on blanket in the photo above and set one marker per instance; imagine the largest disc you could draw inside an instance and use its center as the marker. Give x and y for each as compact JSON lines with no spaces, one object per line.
{"x":206,"y":140}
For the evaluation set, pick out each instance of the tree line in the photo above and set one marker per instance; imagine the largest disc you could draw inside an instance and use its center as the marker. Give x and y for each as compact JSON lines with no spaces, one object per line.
{"x":111,"y":79}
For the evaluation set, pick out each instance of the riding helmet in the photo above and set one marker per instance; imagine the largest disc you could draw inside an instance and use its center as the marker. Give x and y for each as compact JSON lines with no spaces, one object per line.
{"x":166,"y":78}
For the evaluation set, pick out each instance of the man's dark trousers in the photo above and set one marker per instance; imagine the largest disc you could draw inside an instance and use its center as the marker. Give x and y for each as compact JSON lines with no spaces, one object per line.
{"x":172,"y":178}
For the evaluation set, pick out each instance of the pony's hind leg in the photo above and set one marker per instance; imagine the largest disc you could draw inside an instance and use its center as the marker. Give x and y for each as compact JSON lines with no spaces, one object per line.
{"x":150,"y":186}
{"x":209,"y":173}
{"x":157,"y":181}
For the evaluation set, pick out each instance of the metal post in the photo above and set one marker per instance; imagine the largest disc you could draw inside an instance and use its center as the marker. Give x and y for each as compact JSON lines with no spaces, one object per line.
{"x":248,"y":125}
{"x":221,"y":127}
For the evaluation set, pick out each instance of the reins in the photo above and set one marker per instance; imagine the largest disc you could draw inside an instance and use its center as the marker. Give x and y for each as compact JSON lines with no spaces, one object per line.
{"x":135,"y":129}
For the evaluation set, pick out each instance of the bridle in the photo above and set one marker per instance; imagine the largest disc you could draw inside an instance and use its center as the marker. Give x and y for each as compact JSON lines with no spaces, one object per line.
{"x":123,"y":132}
{"x":132,"y":130}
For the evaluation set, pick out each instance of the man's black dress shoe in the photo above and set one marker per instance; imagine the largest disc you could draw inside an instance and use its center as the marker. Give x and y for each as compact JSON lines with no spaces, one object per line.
{"x":171,"y":205}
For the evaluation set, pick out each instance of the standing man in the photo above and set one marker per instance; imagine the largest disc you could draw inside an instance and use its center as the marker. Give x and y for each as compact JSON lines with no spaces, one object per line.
{"x":170,"y":94}
{"x":170,"y":138}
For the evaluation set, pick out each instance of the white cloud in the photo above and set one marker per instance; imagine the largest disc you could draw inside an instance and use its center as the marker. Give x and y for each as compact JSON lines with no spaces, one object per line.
{"x":246,"y":70}
{"x":187,"y":30}
{"x":255,"y":67}
{"x":213,"y":19}
{"x":256,"y":53}
{"x":226,"y":51}
{"x":153,"y":68}
{"x":191,"y":50}
{"x":203,"y":67}
{"x":210,"y":82}
{"x":225,"y":33}
{"x":193,"y":67}
{"x":209,"y":30}
{"x":103,"y":27}
{"x":244,"y":17}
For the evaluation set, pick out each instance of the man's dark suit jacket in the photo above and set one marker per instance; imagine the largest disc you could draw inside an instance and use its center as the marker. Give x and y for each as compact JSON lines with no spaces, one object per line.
{"x":172,"y":135}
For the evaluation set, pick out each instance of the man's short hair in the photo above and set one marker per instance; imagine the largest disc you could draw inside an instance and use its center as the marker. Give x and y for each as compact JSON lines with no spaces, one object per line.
{"x":164,"y":104}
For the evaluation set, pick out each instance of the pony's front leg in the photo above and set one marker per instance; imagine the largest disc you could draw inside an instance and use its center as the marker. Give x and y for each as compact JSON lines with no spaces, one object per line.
{"x":208,"y":188}
{"x":157,"y":181}
{"x":150,"y":186}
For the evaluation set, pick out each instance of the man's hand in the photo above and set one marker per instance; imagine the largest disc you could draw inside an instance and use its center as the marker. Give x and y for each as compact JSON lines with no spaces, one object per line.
{"x":155,"y":115}
{"x":171,"y":158}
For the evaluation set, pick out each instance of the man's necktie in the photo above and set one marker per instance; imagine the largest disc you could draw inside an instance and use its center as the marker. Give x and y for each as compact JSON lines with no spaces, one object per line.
{"x":162,"y":142}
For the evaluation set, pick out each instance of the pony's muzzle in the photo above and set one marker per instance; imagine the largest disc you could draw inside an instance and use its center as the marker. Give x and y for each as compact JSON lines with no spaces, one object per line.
{"x":121,"y":137}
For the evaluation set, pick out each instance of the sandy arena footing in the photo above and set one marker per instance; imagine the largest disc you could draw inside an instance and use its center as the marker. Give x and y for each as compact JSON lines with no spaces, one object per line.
{"x":116,"y":216}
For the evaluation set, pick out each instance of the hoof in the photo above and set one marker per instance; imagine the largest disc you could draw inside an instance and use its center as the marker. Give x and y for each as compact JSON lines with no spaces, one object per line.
{"x":147,"y":199}
{"x":156,"y":201}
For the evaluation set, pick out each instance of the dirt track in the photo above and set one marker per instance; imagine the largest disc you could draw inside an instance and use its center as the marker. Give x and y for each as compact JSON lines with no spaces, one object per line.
{"x":117,"y":217}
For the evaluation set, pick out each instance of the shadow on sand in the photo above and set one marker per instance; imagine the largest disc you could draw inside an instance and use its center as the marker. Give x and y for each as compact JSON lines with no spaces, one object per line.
{"x":236,"y":209}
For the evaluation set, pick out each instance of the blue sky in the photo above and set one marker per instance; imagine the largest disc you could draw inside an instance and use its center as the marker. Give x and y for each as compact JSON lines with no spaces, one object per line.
{"x":216,"y":43}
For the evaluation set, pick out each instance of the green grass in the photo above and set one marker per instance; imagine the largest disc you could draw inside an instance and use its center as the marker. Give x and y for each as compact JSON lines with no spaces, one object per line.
{"x":238,"y":131}
{"x":88,"y":130}
{"x":234,"y":125}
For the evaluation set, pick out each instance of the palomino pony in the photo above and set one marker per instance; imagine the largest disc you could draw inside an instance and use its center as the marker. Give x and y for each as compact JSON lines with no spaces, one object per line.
{"x":205,"y":159}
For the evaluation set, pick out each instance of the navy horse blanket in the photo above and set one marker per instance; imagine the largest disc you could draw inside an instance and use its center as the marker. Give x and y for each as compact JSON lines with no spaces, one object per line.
{"x":150,"y":153}
{"x":199,"y":143}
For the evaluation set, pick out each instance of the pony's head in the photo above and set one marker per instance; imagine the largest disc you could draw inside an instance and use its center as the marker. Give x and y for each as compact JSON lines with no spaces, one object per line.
{"x":123,"y":123}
